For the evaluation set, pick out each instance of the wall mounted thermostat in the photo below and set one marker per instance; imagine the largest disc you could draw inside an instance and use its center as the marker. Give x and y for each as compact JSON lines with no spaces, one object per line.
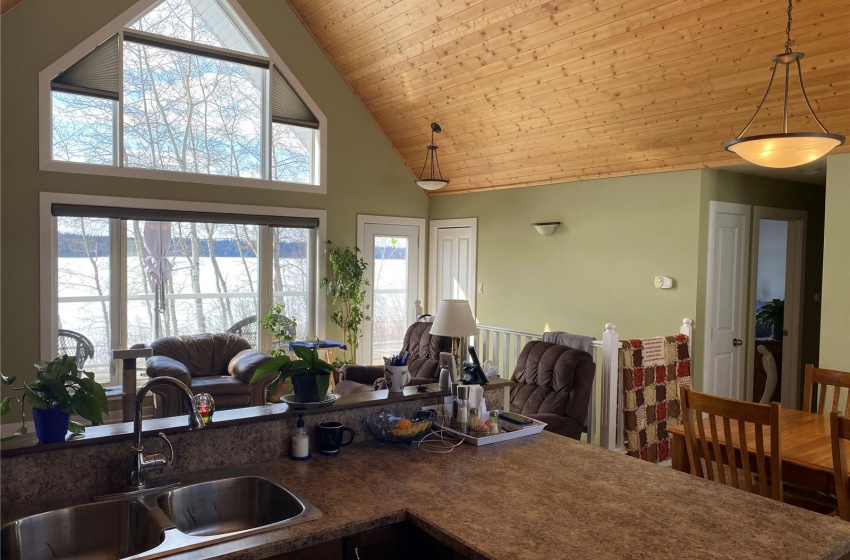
{"x":663,"y":282}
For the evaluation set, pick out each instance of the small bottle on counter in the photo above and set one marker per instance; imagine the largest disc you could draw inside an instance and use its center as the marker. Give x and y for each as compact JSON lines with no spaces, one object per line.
{"x":494,"y":421}
{"x":300,"y":449}
{"x":462,"y":416}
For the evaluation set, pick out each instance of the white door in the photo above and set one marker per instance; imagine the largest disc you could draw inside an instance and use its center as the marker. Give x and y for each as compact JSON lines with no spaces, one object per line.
{"x":391,"y":252}
{"x":452,"y":271}
{"x":726,"y":299}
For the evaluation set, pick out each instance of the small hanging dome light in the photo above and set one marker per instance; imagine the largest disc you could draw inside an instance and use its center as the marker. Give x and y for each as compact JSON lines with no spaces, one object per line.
{"x":432,"y":183}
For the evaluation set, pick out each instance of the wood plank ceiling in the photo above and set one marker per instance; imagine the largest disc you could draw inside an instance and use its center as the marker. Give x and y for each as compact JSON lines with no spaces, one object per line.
{"x":532,"y":92}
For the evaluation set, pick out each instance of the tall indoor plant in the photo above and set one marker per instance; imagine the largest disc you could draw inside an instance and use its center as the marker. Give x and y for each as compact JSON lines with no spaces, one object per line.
{"x":59,"y":390}
{"x":772,"y":316}
{"x":346,"y":286}
{"x":309,"y":375}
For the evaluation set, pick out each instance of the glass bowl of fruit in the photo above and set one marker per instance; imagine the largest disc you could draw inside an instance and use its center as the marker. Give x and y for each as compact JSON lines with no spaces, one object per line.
{"x":387,"y":427}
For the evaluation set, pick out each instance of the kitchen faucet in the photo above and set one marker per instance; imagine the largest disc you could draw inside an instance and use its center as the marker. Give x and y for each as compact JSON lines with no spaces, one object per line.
{"x":140,"y":463}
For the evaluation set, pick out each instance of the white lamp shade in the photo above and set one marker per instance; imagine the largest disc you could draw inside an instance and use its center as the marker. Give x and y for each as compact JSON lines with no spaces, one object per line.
{"x":784,"y":150}
{"x":432,"y":184}
{"x":454,"y":318}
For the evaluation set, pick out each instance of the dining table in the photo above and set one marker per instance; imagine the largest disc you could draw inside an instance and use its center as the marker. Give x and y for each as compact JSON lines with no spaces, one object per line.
{"x":806,"y":448}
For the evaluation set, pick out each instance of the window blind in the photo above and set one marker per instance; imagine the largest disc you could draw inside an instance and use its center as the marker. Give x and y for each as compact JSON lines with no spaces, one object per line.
{"x":97,"y":74}
{"x":287,"y":107}
{"x":154,"y":214}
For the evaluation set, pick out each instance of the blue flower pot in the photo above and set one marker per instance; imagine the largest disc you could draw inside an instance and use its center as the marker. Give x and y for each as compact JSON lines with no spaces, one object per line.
{"x":51,"y":425}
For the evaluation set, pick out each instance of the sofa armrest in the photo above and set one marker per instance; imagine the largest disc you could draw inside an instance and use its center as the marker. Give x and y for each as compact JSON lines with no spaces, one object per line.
{"x":243,"y":365}
{"x":361,"y":374}
{"x":163,"y":366}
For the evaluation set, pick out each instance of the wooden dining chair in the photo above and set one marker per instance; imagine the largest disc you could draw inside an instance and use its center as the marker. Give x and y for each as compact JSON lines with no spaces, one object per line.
{"x":825,"y":378}
{"x":695,"y":404}
{"x":839,"y":430}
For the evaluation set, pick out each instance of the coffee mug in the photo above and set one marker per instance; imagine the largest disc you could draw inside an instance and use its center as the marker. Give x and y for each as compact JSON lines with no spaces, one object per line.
{"x":396,"y":377}
{"x":330,"y":437}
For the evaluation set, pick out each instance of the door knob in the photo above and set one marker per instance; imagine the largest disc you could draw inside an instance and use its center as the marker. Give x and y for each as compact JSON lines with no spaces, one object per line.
{"x":737,"y":342}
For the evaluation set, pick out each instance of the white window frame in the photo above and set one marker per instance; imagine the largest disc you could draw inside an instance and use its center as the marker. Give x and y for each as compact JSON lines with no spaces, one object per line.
{"x":48,"y":275}
{"x":46,"y":163}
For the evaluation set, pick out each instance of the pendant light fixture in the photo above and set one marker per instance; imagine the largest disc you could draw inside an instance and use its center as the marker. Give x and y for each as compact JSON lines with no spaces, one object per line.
{"x":785,"y":149}
{"x":432,"y":183}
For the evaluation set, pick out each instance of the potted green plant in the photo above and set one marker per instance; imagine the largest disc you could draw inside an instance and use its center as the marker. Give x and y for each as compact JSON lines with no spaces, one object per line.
{"x":772,"y":316}
{"x":346,"y":285}
{"x":281,"y":327}
{"x":59,"y":390}
{"x":310,"y":376}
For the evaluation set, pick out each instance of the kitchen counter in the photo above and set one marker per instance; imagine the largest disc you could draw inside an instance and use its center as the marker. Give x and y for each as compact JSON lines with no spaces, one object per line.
{"x":542,"y":497}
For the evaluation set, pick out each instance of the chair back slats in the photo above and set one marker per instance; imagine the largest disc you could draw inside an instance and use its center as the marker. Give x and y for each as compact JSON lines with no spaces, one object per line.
{"x":819,"y":379}
{"x":751,"y":420}
{"x":839,"y":430}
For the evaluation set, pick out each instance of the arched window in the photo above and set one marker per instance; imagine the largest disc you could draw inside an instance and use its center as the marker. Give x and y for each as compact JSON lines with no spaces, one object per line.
{"x":183,"y":86}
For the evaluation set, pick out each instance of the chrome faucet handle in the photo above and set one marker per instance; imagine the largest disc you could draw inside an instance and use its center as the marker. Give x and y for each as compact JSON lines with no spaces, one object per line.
{"x":170,"y":452}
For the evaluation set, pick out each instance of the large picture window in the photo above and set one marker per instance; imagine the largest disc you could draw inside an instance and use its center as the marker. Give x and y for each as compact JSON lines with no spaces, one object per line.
{"x":122,"y":280}
{"x":184,"y":88}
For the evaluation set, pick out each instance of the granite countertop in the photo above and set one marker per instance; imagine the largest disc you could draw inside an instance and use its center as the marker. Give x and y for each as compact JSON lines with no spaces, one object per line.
{"x":539,"y":497}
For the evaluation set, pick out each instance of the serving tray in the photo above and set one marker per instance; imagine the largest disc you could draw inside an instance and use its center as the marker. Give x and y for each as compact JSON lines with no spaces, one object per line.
{"x":486,"y":439}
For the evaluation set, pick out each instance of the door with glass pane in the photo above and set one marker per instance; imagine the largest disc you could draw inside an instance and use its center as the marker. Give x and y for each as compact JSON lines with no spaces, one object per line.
{"x":392,"y":254}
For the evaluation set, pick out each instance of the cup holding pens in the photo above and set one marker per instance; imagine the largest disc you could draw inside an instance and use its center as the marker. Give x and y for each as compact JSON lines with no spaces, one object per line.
{"x":396,"y":377}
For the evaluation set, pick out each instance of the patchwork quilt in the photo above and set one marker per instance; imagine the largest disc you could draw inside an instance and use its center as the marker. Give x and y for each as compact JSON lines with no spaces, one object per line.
{"x":653,"y":370}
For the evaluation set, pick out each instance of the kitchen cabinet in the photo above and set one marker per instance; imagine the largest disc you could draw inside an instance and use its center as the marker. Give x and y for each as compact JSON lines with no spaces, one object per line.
{"x":402,"y":540}
{"x":331,"y":550}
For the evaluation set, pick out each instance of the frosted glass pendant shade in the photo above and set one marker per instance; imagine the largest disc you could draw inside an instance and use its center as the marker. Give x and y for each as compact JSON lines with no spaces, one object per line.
{"x":784,"y":150}
{"x":432,"y":184}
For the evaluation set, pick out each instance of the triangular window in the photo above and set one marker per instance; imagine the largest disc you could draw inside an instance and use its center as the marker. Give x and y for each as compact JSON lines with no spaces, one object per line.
{"x":184,"y":87}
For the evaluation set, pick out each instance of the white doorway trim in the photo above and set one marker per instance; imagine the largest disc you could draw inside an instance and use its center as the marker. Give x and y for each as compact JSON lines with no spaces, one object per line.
{"x":435,"y":225}
{"x":710,"y":377}
{"x":420,"y":224}
{"x":794,"y":285}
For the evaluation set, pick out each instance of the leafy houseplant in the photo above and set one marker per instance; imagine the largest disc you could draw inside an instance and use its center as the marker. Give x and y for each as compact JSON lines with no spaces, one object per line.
{"x":310,"y":376}
{"x":772,"y":315}
{"x":346,"y":286}
{"x":281,"y":327}
{"x":59,"y":390}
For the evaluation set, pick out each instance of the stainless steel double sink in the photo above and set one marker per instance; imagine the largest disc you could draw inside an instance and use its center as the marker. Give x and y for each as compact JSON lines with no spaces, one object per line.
{"x":156,"y":524}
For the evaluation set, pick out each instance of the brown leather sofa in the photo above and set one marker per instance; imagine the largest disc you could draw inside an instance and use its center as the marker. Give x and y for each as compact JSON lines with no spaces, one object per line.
{"x":423,"y":363}
{"x":220,"y":364}
{"x":553,"y":385}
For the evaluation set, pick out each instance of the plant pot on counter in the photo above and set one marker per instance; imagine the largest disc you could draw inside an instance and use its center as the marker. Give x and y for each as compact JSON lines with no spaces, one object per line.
{"x":310,"y":388}
{"x":51,"y":424}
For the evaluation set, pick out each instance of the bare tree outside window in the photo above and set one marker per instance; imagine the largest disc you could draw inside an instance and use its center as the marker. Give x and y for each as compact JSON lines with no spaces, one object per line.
{"x":82,"y":129}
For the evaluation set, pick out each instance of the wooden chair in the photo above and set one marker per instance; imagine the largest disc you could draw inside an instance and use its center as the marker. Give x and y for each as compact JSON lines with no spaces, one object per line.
{"x":839,"y":430}
{"x":838,"y":380}
{"x":699,"y":449}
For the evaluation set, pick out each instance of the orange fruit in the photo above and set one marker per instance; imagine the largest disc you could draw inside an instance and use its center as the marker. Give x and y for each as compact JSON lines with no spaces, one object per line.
{"x":403,"y":424}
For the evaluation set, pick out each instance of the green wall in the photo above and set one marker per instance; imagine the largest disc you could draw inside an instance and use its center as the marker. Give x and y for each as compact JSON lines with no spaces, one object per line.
{"x":835,"y":318}
{"x":616,"y":236}
{"x":598,"y":267}
{"x":365,"y":175}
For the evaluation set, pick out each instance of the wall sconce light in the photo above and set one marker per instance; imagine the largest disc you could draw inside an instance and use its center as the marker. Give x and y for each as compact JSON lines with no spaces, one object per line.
{"x":432,"y":182}
{"x":546,"y":228}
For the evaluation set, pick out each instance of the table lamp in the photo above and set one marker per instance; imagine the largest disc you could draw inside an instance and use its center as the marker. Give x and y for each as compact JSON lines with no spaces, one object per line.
{"x":454,"y":319}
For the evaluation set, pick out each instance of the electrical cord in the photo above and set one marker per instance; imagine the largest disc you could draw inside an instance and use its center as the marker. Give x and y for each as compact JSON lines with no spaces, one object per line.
{"x":440,"y":441}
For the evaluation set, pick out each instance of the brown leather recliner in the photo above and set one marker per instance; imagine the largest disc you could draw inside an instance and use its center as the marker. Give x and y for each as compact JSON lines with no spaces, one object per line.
{"x":553,"y":385}
{"x":220,"y":364}
{"x":424,"y":365}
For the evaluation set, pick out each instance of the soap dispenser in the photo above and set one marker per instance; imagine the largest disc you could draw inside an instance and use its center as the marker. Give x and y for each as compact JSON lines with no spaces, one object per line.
{"x":300,"y":450}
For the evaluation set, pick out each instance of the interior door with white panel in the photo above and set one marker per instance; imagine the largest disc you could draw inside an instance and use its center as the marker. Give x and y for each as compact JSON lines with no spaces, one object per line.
{"x":453,"y":260}
{"x":726,"y":299}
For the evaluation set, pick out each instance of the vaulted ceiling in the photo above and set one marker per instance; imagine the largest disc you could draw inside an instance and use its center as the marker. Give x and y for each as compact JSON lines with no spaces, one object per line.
{"x":533,"y":92}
